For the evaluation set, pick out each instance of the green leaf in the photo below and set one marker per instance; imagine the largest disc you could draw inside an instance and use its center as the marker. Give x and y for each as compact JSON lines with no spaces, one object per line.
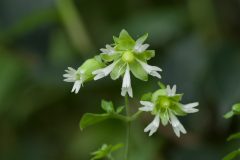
{"x":236,"y":108}
{"x":120,"y":109}
{"x":228,"y":115}
{"x":118,"y":70}
{"x":232,"y":155}
{"x":138,"y":71}
{"x":234,"y":136}
{"x":125,"y":41}
{"x":89,"y":119}
{"x":146,"y":97}
{"x":107,"y":106}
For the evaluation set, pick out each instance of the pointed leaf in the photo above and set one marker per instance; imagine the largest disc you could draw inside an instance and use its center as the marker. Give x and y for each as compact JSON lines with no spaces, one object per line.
{"x":89,"y":119}
{"x":107,"y":106}
{"x":232,"y":155}
{"x":234,"y":136}
{"x":228,"y":115}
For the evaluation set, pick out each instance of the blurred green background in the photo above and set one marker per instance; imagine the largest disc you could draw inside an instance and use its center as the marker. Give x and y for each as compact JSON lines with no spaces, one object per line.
{"x":197,"y":45}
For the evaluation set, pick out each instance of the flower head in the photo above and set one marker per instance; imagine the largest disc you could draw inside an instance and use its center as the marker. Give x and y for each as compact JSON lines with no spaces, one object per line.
{"x":165,"y":105}
{"x":82,"y":74}
{"x":127,"y":56}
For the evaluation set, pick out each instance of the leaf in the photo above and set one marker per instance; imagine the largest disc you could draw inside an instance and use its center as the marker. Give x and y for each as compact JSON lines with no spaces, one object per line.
{"x":228,"y":115}
{"x":89,"y":119}
{"x":120,"y":109}
{"x":107,"y":106}
{"x":234,"y":136}
{"x":232,"y":155}
{"x":138,"y":71}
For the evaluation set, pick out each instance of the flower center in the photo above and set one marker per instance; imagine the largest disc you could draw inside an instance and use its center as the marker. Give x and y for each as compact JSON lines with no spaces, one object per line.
{"x":163,"y":102}
{"x":128,"y":57}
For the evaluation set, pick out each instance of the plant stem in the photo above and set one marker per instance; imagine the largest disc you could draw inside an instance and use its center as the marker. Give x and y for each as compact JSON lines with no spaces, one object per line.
{"x":128,"y":126}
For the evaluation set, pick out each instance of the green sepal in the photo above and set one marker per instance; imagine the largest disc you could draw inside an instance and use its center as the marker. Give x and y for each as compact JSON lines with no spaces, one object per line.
{"x":89,"y":119}
{"x":118,"y":70}
{"x":234,"y":136}
{"x":110,"y":58}
{"x":138,"y":71}
{"x":146,"y":97}
{"x":146,"y":55}
{"x":177,"y":97}
{"x":89,"y":66}
{"x":232,"y":155}
{"x":156,"y":94}
{"x":107,"y":106}
{"x":125,"y":41}
{"x":164,"y":117}
{"x":177,"y":109}
{"x":105,"y":151}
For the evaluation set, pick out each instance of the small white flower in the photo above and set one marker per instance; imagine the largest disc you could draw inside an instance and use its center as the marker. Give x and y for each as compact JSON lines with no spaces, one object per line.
{"x":108,"y":50}
{"x":75,"y":76}
{"x":147,"y":106}
{"x":126,"y":85}
{"x":171,"y":92}
{"x":177,"y":126}
{"x":140,"y":47}
{"x":100,"y":73}
{"x":152,"y":70}
{"x":189,"y":108}
{"x":153,"y":126}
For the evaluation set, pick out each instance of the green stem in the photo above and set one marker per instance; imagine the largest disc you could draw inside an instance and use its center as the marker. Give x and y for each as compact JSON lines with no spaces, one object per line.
{"x":128,"y":123}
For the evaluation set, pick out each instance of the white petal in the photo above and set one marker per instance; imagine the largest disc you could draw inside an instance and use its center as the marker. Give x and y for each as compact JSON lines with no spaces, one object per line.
{"x":152,"y":70}
{"x":177,"y":126}
{"x":153,"y":126}
{"x":126,"y":85}
{"x":189,"y":108}
{"x":76,"y":86}
{"x":109,"y":50}
{"x":171,"y":92}
{"x":147,"y":106}
{"x":100,"y":73}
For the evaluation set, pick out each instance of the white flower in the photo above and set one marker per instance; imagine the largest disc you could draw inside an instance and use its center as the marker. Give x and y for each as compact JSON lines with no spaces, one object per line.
{"x":153,"y":126}
{"x":126,"y":85}
{"x":147,"y":106}
{"x":139,"y":46}
{"x":108,"y":50}
{"x":75,"y":76}
{"x":177,"y":126}
{"x":152,"y":70}
{"x":100,"y":73}
{"x":171,"y":92}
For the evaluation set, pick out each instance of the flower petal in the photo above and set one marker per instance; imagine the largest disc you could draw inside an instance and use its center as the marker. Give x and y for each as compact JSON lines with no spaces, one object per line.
{"x":153,"y":126}
{"x":147,"y":106}
{"x":152,"y":70}
{"x":177,"y":126}
{"x":126,"y":85}
{"x":189,"y":108}
{"x":76,"y":86}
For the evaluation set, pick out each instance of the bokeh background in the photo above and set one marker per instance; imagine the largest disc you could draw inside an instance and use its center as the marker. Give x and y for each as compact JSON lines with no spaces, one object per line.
{"x":197,"y":45}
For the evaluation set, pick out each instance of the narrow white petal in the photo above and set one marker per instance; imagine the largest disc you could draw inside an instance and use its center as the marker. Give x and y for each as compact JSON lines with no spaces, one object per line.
{"x":152,"y":70}
{"x":100,"y":73}
{"x":174,"y":89}
{"x":177,"y":126}
{"x":147,"y":106}
{"x":171,"y":92}
{"x":168,"y":90}
{"x":126,"y":84}
{"x":76,"y":86}
{"x":153,"y":126}
{"x":189,"y":108}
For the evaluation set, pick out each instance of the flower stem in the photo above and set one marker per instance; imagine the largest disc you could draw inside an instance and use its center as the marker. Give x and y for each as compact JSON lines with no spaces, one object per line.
{"x":128,"y":123}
